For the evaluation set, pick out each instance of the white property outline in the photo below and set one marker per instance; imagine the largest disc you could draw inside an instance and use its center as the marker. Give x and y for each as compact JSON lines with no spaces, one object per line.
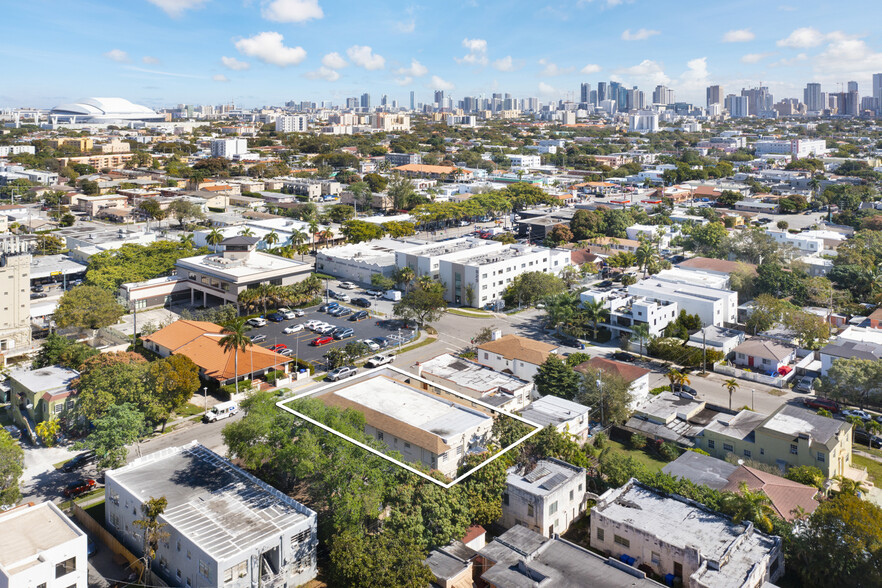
{"x":536,"y":427}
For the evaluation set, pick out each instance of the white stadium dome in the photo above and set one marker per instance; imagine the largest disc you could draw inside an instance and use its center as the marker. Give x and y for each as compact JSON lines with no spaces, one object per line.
{"x":105,"y":110}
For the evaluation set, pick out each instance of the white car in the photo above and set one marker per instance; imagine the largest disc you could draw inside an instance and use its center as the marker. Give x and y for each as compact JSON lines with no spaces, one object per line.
{"x":372,"y":345}
{"x":347,"y":285}
{"x":341,"y":297}
{"x":325,"y":329}
{"x":287,"y":313}
{"x":316,"y":325}
{"x":292,"y":329}
{"x":299,"y":313}
{"x":257,"y":322}
{"x":311,"y":324}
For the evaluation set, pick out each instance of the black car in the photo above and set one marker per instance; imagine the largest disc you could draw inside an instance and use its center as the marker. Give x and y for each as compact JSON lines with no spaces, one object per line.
{"x":622,"y":356}
{"x":862,"y":436}
{"x":362,"y":302}
{"x":605,"y":284}
{"x":276,"y":317}
{"x":383,"y":342}
{"x":36,"y":295}
{"x":37,"y":288}
{"x":360,"y":316}
{"x":79,"y":461}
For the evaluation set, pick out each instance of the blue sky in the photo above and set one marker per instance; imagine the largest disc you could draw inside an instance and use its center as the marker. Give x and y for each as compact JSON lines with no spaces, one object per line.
{"x":265,"y":52}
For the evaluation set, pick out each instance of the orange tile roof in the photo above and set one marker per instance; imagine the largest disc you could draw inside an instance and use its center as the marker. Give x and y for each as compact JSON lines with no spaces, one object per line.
{"x":625,"y":370}
{"x":785,"y":495}
{"x":200,"y":341}
{"x":522,"y":348}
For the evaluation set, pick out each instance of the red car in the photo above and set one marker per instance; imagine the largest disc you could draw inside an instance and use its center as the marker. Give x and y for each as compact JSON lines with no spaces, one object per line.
{"x":321,"y":341}
{"x":79,"y":487}
{"x":278,"y":347}
{"x":824,"y":403}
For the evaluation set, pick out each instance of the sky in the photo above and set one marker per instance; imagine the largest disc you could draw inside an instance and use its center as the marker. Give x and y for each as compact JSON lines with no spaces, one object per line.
{"x":266,"y":52}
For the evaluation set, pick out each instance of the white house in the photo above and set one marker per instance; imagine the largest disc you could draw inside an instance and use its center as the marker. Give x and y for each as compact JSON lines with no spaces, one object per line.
{"x":763,"y":355}
{"x":547,"y":499}
{"x":514,"y":354}
{"x":637,"y":377}
{"x":713,"y":306}
{"x":565,"y":415}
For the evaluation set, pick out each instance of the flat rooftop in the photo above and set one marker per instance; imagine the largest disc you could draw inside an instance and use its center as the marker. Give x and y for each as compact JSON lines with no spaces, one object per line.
{"x":545,"y":478}
{"x":256,"y":263}
{"x":739,"y":426}
{"x":553,"y":410}
{"x":55,"y":265}
{"x":412,"y":407}
{"x":794,"y":421}
{"x":448,"y":247}
{"x":652,"y":287}
{"x":471,"y":375}
{"x":44,"y":379}
{"x":26,"y":532}
{"x":211,"y":501}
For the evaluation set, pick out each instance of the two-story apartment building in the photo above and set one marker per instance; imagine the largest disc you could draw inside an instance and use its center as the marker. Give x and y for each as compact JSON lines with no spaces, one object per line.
{"x":521,"y":356}
{"x":546,"y":499}
{"x":713,"y":306}
{"x":41,"y":548}
{"x":225,"y":528}
{"x":626,"y":311}
{"x":789,"y":437}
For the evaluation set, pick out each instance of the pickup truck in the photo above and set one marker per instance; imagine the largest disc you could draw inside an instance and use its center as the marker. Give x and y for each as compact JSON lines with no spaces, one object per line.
{"x":380,"y":359}
{"x":341,"y":373}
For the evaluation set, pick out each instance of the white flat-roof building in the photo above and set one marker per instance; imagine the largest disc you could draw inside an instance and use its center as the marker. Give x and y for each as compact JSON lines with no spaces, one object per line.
{"x":476,"y":381}
{"x":292,"y":123}
{"x":547,"y":499}
{"x":626,"y":311}
{"x":798,"y":148}
{"x":229,"y":148}
{"x":674,"y":535}
{"x":713,"y":306}
{"x":565,"y":415}
{"x":359,"y":262}
{"x":225,"y":527}
{"x":676,"y":275}
{"x":423,"y":427}
{"x":41,"y":547}
{"x":805,"y":245}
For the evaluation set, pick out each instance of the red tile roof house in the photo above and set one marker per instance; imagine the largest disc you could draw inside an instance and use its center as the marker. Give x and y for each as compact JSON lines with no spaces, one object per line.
{"x":636,"y":376}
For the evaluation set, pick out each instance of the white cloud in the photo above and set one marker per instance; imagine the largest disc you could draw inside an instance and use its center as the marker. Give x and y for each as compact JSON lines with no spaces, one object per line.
{"x":790,"y":62}
{"x":407,"y":26}
{"x":175,"y":8}
{"x":696,"y":77}
{"x":292,"y":10}
{"x":323,"y":73}
{"x":235,"y":64}
{"x":548,"y":89}
{"x":220,"y":78}
{"x":846,"y":56}
{"x":504,"y":64}
{"x":640,"y":35}
{"x":403,"y":81}
{"x":334,"y":61}
{"x":590,"y":68}
{"x":739,"y":36}
{"x":755,"y":57}
{"x":363,"y":56}
{"x":269,"y":48}
{"x":477,"y":54}
{"x":551,"y":69}
{"x":117,"y":55}
{"x":803,"y":38}
{"x":150,"y":60}
{"x":416,"y":69}
{"x":647,"y":72}
{"x":440,"y":84}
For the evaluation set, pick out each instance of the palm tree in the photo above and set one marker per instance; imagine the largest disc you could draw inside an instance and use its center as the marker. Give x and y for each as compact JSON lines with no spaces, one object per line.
{"x":641,"y":331}
{"x":235,"y":340}
{"x":849,"y":486}
{"x":731,"y":385}
{"x":644,"y":255}
{"x":214,"y":238}
{"x":271,"y":238}
{"x":313,"y":229}
{"x":404,"y":277}
{"x":677,"y":378}
{"x":187,"y":239}
{"x":246,"y":232}
{"x":326,"y":236}
{"x":595,"y":312}
{"x":298,"y":238}
{"x":749,"y":505}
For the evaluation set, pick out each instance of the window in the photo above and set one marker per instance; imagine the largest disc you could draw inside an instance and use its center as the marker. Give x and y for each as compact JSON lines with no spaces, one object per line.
{"x":380,"y":435}
{"x":203,"y":569}
{"x":228,"y":575}
{"x":65,"y":567}
{"x":505,"y":499}
{"x":444,"y":456}
{"x":656,"y":559}
{"x":572,"y":494}
{"x":710,"y":443}
{"x":794,"y":449}
{"x":762,"y":450}
{"x":189,"y":555}
{"x":766,"y":361}
{"x":600,"y":534}
{"x":43,"y":585}
{"x":530,"y":511}
{"x":728,"y":447}
{"x":486,"y":355}
{"x":553,"y":508}
{"x":242,"y":569}
{"x":820,"y":456}
{"x":179,"y":545}
{"x":58,"y":407}
{"x":746,"y":453}
{"x":179,"y":574}
{"x":621,"y":541}
{"x":299,"y":538}
{"x":406,"y":445}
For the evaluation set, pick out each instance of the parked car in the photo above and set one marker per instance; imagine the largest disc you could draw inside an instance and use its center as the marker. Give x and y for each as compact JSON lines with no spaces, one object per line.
{"x":319,"y":341}
{"x":336,"y":311}
{"x":374,"y":292}
{"x":824,"y":403}
{"x":37,"y":288}
{"x":862,"y":436}
{"x":383,"y":342}
{"x":344,"y":334}
{"x":221,"y":411}
{"x":299,"y":312}
{"x":362,"y":302}
{"x":326,"y":329}
{"x":79,"y":461}
{"x":257,"y":322}
{"x":37,"y":295}
{"x":341,"y":297}
{"x":328,"y":306}
{"x":348,"y":285}
{"x":286,"y":352}
{"x":79,"y":487}
{"x":684,"y":391}
{"x":805,"y":385}
{"x":312,"y":324}
{"x":341,"y":373}
{"x":278,"y":347}
{"x":605,"y":284}
{"x":360,"y":316}
{"x":258,"y":338}
{"x":623,"y":356}
{"x":276,"y":317}
{"x":856,"y":412}
{"x":370,"y":344}
{"x":343,"y":312}
{"x":287,"y":313}
{"x":292,"y":329}
{"x":380,"y":359}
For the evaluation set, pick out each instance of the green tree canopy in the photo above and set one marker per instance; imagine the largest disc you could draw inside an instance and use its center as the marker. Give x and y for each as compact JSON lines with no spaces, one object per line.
{"x":136,"y":263}
{"x":11,"y":468}
{"x":613,"y":395}
{"x":424,"y":304}
{"x":358,"y":231}
{"x":121,"y":425}
{"x":531,"y":287}
{"x":555,"y":378}
{"x":88,"y":307}
{"x":110,"y":379}
{"x":58,"y":350}
{"x":173,"y":381}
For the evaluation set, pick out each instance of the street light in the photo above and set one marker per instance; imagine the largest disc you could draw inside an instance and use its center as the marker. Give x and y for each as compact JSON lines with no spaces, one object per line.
{"x":600,"y":387}
{"x":205,"y":398}
{"x":751,"y":398}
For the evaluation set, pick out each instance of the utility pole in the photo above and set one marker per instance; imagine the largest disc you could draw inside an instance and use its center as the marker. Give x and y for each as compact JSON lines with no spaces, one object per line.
{"x":704,"y":350}
{"x":600,"y":387}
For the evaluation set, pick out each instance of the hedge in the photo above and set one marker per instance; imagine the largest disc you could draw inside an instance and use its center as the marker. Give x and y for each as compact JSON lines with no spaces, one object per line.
{"x":676,"y":351}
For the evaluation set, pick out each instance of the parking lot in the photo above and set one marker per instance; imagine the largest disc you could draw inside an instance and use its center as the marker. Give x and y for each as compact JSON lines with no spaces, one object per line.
{"x":299,"y":342}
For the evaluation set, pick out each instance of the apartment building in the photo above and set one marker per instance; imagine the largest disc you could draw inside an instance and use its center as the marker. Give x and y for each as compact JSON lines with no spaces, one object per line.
{"x":713,"y":306}
{"x":518,"y":160}
{"x":804,"y":244}
{"x":791,"y":436}
{"x":229,"y":148}
{"x":292,"y":123}
{"x":546,"y":499}
{"x":312,"y":189}
{"x":627,"y":311}
{"x":98,"y":160}
{"x":476,"y":381}
{"x":398,"y":159}
{"x":797,"y":148}
{"x":681,"y":539}
{"x":226,"y":528}
{"x":519,"y":355}
{"x":40,"y":547}
{"x":566,"y":416}
{"x":15,"y":284}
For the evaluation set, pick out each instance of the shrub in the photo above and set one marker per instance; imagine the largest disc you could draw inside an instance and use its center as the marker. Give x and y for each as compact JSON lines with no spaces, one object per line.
{"x":676,"y":351}
{"x":668,"y":451}
{"x":659,"y":390}
{"x":226,"y":392}
{"x":297,"y":364}
{"x":600,"y":440}
{"x":698,"y":451}
{"x":638,"y":441}
{"x":272,"y":377}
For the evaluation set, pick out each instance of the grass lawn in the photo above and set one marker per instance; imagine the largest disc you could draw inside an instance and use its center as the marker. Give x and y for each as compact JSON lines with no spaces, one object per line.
{"x":189,"y":409}
{"x":426,"y":341}
{"x":651,"y":463}
{"x":874,"y":468}
{"x":470,"y":313}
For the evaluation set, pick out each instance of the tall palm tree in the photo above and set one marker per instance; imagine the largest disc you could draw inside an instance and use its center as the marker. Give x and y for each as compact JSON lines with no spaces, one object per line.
{"x":214,"y":238}
{"x":849,"y":486}
{"x":298,"y":238}
{"x":326,"y":236}
{"x":595,"y":312}
{"x":187,"y":239}
{"x":405,"y":276}
{"x":749,"y":505}
{"x":677,"y":379}
{"x":641,"y":331}
{"x":731,"y":385}
{"x":313,"y":229}
{"x":644,"y":255}
{"x":246,"y":232}
{"x":271,"y":238}
{"x":235,"y":340}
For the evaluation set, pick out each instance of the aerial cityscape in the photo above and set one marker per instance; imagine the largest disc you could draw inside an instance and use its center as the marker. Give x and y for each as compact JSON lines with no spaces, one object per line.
{"x":415,"y":296}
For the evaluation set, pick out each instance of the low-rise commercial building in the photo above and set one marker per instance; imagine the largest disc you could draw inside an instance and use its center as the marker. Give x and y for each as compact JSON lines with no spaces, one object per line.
{"x":225,"y":528}
{"x":40,"y":547}
{"x":547,"y":499}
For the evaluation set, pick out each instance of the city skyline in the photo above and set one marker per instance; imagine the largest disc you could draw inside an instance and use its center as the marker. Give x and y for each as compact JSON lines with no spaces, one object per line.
{"x":271,"y":51}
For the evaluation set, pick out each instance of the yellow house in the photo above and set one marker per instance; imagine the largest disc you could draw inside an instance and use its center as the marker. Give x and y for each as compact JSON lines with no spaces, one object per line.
{"x":790,"y":437}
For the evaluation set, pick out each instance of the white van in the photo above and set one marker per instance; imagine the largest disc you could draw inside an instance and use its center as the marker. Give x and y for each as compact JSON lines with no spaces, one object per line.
{"x":221,"y":411}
